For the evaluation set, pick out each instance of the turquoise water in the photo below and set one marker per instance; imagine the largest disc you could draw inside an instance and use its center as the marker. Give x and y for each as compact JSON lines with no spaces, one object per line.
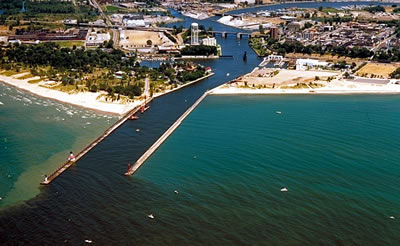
{"x":36,"y":135}
{"x":337,"y":156}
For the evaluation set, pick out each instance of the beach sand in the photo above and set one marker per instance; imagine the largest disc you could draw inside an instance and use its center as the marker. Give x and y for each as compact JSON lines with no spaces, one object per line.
{"x":335,"y":87}
{"x":82,"y":99}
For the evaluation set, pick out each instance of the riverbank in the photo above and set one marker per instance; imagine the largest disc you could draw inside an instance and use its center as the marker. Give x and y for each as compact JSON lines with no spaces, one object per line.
{"x":184,"y":85}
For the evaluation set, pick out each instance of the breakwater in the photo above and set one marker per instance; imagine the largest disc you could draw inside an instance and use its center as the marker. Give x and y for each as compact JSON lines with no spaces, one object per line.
{"x":164,"y":137}
{"x":93,"y":144}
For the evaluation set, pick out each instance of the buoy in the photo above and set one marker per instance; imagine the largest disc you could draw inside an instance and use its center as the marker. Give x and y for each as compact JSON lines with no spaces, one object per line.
{"x":176,"y":192}
{"x":151,"y":216}
{"x":88,"y":241}
{"x":392,"y":217}
{"x":284,"y":189}
{"x":227,"y":74}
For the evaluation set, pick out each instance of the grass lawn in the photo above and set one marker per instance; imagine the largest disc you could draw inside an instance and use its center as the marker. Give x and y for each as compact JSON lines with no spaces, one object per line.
{"x":70,"y":44}
{"x":9,"y":73}
{"x":114,"y":9}
{"x":34,"y":81}
{"x":27,"y":76}
{"x":330,"y":10}
{"x":377,"y":69}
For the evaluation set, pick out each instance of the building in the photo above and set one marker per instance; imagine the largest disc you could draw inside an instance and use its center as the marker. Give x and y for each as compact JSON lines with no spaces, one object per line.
{"x":97,"y":39}
{"x":294,"y":26}
{"x":305,"y":64}
{"x":244,"y":1}
{"x":3,"y":40}
{"x":209,"y":41}
{"x":194,"y":36}
{"x":274,"y":32}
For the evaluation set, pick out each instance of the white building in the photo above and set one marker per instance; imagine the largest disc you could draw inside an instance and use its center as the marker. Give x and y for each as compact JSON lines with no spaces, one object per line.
{"x":304,"y":64}
{"x":244,"y":1}
{"x":96,"y":39}
{"x":209,"y":41}
{"x":194,"y":36}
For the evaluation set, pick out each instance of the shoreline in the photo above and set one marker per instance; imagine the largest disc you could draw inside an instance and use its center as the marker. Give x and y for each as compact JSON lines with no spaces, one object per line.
{"x":86,"y":100}
{"x":223,"y":90}
{"x":184,"y":85}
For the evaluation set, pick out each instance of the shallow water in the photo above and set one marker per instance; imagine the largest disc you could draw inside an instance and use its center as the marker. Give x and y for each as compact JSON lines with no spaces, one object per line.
{"x":36,"y":135}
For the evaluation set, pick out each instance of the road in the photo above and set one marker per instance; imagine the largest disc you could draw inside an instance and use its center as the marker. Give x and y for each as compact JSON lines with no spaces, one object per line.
{"x":115,"y":32}
{"x":146,"y":86}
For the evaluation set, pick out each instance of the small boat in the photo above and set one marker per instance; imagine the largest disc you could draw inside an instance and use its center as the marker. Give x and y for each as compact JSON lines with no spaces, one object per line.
{"x":284,"y":189}
{"x":278,"y":112}
{"x":133,"y":117}
{"x":138,"y":130}
{"x":245,"y":56}
{"x":151,"y":216}
{"x":144,"y":108}
{"x":227,"y":75}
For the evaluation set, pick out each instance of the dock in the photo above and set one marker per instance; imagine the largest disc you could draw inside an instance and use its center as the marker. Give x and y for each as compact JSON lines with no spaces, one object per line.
{"x":93,"y":144}
{"x":163,"y":137}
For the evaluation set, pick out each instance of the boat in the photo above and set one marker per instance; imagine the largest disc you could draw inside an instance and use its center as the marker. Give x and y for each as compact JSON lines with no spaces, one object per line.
{"x":227,"y":74}
{"x":245,"y":56}
{"x":278,"y":112}
{"x":144,"y":108}
{"x":133,"y":117}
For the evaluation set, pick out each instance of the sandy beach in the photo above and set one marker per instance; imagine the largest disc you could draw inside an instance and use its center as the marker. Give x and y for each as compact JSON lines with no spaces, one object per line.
{"x":88,"y":100}
{"x":333,"y":88}
{"x":83,"y":99}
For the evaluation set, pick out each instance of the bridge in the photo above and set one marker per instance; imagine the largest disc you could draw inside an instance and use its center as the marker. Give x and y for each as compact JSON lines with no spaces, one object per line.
{"x":224,"y":34}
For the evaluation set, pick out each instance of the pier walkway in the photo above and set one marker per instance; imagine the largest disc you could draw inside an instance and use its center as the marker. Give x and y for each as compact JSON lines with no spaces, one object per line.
{"x":106,"y":133}
{"x":163,"y":137}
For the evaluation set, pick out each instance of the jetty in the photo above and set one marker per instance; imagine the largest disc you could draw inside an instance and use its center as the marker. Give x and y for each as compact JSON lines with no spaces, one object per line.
{"x":163,"y":137}
{"x":93,"y":144}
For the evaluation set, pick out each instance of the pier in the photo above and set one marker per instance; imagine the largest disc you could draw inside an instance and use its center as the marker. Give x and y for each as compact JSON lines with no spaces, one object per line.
{"x":164,"y":137}
{"x":106,"y":133}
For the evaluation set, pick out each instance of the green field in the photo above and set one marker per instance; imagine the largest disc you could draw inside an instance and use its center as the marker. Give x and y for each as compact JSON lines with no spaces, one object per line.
{"x":70,"y":44}
{"x":114,"y":9}
{"x":330,"y":10}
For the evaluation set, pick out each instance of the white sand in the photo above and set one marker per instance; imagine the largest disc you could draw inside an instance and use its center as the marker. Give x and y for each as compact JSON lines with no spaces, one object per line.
{"x":335,"y":87}
{"x":83,"y":99}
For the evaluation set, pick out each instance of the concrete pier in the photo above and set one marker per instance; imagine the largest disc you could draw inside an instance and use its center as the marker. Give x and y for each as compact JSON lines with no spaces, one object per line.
{"x":163,"y":137}
{"x":112,"y":128}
